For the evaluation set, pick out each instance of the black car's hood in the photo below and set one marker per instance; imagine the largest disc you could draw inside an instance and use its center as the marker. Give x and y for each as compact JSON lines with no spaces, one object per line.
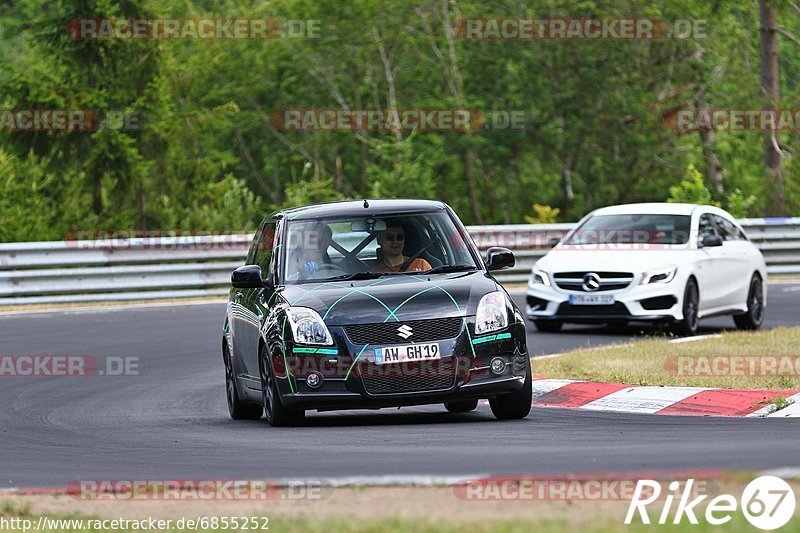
{"x":409,"y":297}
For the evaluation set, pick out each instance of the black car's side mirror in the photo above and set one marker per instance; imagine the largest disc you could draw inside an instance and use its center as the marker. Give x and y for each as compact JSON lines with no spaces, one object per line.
{"x":247,"y":277}
{"x":709,"y":241}
{"x":498,"y":258}
{"x":553,"y":242}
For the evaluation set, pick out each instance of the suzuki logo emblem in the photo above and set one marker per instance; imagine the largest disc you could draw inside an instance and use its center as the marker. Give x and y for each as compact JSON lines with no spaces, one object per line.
{"x":591,"y":282}
{"x":405,"y":331}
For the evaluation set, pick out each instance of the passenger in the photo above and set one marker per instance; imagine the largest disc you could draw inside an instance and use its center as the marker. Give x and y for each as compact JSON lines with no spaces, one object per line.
{"x":392,"y":241}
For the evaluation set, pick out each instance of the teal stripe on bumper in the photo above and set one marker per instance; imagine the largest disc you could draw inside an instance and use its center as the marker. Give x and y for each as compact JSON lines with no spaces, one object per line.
{"x":490,"y":338}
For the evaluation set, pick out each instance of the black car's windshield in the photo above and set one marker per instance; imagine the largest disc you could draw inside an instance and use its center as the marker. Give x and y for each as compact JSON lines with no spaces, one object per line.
{"x":367,"y":247}
{"x":632,"y":229}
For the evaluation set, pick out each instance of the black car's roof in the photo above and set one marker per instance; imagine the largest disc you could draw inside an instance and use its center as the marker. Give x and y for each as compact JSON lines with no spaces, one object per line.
{"x":356,"y":208}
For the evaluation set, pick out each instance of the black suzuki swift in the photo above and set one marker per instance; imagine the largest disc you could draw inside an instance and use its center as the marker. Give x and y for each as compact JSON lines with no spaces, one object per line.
{"x":371,"y":304}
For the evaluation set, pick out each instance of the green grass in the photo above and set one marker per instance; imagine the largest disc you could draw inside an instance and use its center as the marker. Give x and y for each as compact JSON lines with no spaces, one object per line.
{"x":601,"y":520}
{"x":645,"y":362}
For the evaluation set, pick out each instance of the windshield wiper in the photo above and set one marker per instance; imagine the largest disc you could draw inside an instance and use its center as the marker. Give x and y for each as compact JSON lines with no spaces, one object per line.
{"x":448,"y":268}
{"x":359,"y":275}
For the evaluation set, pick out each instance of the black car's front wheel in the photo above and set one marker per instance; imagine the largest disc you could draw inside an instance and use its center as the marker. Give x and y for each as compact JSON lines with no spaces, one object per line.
{"x":517,"y":404}
{"x":238,"y":409}
{"x":277,"y":414}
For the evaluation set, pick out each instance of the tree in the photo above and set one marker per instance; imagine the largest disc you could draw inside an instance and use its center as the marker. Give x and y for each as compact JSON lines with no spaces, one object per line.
{"x":770,"y":90}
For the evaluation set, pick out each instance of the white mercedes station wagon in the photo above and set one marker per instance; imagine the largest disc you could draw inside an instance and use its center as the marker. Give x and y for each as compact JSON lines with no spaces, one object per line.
{"x":653,"y":262}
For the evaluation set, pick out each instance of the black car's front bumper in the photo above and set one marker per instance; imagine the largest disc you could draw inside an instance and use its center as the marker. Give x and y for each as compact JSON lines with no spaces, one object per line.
{"x":352,"y":400}
{"x":349,"y":381}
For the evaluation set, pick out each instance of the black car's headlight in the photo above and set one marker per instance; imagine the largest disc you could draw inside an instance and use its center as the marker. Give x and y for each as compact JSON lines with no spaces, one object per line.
{"x":492,"y":313}
{"x":308,"y":327}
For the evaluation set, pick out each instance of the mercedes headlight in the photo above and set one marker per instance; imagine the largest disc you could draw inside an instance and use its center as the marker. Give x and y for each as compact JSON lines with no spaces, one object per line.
{"x":308,"y":327}
{"x":662,"y":275}
{"x":492,"y":313}
{"x":540,"y":277}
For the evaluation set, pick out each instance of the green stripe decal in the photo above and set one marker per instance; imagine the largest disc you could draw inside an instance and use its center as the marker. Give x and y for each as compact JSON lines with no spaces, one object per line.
{"x":354,"y":361}
{"x":324,"y":351}
{"x":433,"y":286}
{"x":471,"y":344}
{"x":490,"y":338}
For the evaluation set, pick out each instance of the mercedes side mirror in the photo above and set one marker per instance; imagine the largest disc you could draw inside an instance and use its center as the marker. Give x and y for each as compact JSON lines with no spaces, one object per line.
{"x":709,"y":241}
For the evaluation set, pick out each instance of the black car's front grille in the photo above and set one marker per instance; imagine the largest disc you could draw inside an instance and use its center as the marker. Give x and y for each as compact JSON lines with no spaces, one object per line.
{"x":609,"y":281}
{"x":618,"y":309}
{"x":405,"y":332}
{"x":418,"y":376}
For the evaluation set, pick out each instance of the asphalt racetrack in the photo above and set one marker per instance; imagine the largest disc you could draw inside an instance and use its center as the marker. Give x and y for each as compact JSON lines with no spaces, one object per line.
{"x":171,"y":421}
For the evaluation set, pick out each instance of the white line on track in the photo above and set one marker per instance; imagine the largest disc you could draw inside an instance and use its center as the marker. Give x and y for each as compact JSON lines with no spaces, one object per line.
{"x":696,"y":338}
{"x":84,"y":310}
{"x":783,"y":473}
{"x":593,"y":348}
{"x":548,"y":356}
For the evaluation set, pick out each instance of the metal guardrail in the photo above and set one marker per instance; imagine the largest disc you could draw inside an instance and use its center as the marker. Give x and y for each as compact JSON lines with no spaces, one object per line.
{"x":174,"y":267}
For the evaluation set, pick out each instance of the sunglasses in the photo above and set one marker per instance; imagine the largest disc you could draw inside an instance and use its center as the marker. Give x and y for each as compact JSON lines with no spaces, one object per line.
{"x":391,"y":237}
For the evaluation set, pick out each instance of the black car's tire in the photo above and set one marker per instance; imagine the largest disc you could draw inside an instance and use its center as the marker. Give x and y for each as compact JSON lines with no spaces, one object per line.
{"x":464,"y":406}
{"x":238,"y":409}
{"x":548,"y":326}
{"x":691,"y":304}
{"x":517,"y":404}
{"x":277,"y":415}
{"x":754,"y":317}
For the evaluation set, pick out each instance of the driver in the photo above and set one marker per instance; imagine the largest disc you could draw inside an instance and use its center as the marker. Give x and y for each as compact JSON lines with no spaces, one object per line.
{"x":315,"y":250}
{"x":392,"y":240}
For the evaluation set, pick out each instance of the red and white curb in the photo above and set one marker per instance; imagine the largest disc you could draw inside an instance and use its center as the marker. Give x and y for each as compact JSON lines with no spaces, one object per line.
{"x":696,"y":401}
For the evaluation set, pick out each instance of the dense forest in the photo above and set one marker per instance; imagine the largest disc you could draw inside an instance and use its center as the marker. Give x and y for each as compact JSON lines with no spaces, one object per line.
{"x":188,"y":138}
